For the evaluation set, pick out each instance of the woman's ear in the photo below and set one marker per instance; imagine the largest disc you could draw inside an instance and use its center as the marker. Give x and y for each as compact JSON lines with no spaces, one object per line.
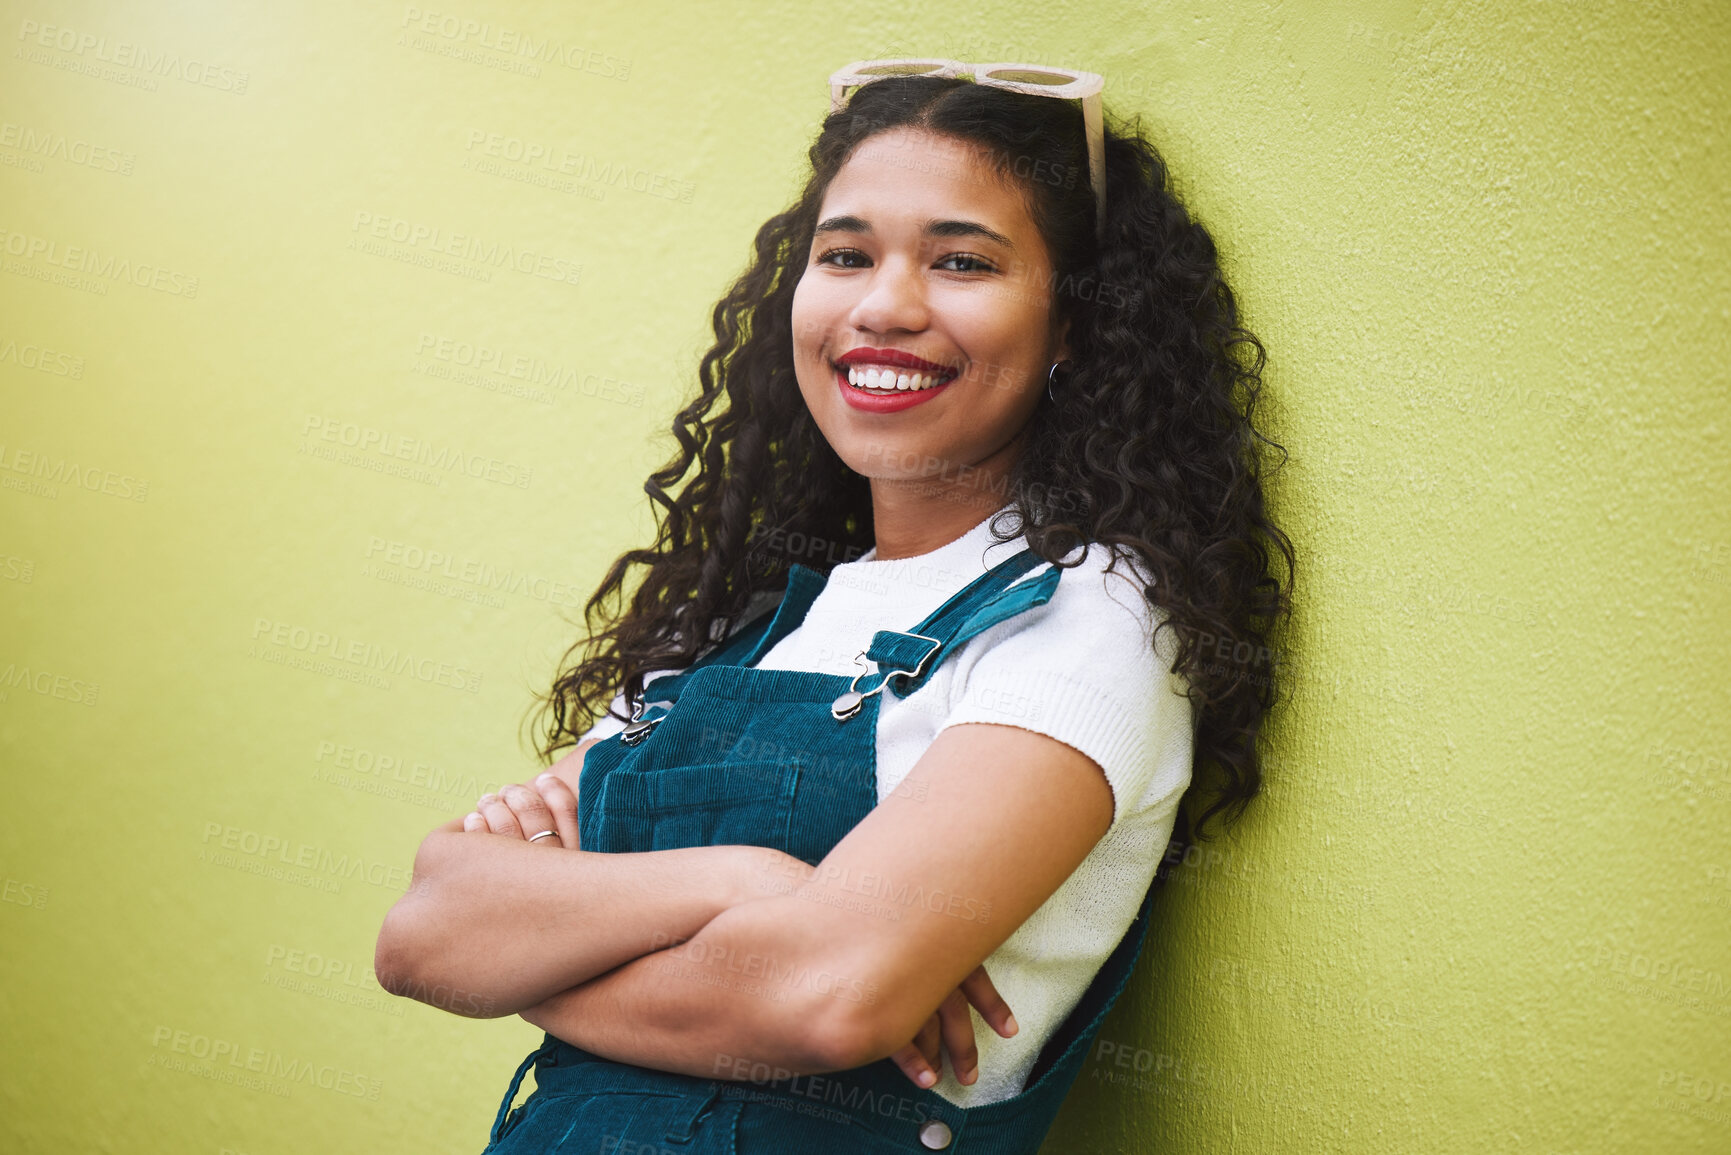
{"x":1061,"y":351}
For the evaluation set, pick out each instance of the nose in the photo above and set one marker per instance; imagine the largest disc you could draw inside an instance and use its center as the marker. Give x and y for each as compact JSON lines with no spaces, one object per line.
{"x":894,"y":299}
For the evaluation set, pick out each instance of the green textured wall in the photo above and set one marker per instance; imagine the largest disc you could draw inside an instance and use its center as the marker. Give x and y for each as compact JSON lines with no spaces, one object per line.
{"x":1484,"y":904}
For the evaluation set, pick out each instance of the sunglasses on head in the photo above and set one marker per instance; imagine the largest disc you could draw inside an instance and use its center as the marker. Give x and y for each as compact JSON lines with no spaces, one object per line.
{"x":1028,"y":79}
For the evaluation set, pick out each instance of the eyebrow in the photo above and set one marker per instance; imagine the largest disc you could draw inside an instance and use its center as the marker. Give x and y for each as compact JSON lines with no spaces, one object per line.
{"x":934,"y":228}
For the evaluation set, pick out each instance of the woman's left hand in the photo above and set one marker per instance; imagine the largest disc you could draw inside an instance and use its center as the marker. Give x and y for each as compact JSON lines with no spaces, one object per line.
{"x":523,"y":810}
{"x":951,"y":1028}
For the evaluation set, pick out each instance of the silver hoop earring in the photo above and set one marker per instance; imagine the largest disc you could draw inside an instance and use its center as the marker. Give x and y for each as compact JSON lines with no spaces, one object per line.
{"x":1051,"y":379}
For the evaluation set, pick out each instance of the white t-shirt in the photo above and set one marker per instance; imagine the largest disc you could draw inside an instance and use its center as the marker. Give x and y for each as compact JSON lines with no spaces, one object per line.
{"x":1081,"y":669}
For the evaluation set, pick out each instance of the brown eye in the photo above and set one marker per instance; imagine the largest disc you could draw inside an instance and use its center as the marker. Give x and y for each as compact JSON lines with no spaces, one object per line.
{"x":971,"y":263}
{"x":841,"y":255}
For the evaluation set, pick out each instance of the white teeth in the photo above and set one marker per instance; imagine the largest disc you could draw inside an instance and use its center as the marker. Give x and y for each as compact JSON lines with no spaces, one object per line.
{"x":885,"y":380}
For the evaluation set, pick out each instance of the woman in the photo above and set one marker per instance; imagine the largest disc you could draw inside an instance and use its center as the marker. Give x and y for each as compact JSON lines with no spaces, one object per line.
{"x":972,"y":573}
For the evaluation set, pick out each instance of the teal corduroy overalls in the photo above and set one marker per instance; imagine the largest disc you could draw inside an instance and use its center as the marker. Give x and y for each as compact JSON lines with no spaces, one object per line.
{"x":724,"y":754}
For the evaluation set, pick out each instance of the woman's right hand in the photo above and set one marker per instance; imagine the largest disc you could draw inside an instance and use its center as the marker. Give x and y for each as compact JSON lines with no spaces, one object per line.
{"x":951,"y":1029}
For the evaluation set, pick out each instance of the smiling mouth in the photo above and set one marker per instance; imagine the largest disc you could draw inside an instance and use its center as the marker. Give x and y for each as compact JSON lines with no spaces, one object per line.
{"x":888,"y":380}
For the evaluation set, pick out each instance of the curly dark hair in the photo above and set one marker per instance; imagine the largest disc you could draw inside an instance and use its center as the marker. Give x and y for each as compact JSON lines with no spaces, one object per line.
{"x":1149,"y":448}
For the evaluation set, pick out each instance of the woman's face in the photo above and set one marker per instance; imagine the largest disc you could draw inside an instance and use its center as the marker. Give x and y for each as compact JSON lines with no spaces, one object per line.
{"x":925,"y":265}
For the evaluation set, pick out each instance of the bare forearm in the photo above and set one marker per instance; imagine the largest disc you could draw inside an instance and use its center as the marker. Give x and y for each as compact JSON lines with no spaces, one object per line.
{"x":509,"y":924}
{"x":742,"y":992}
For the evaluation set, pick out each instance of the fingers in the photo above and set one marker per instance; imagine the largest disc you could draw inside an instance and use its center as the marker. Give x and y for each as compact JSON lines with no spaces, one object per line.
{"x":978,"y":989}
{"x":526,"y":810}
{"x":499,"y":817}
{"x":518,"y":811}
{"x":951,"y":1030}
{"x":919,"y":1059}
{"x":958,"y":1035}
{"x":563,"y":804}
{"x":913,"y":1065}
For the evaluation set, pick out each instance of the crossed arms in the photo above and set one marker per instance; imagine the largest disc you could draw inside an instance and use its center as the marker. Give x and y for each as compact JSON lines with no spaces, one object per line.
{"x":698,"y":960}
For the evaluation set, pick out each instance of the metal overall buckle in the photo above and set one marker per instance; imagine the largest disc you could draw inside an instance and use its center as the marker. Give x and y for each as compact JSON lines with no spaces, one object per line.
{"x":639,"y":728}
{"x":852,"y":702}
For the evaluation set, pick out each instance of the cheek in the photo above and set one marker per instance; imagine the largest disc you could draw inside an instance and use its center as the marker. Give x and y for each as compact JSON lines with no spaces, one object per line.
{"x":1004,"y":330}
{"x":1009,"y":365}
{"x":812,"y":316}
{"x":801,"y":314}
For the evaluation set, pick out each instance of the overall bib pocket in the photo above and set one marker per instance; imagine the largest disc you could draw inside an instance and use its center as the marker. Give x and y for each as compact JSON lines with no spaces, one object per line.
{"x":701,"y":804}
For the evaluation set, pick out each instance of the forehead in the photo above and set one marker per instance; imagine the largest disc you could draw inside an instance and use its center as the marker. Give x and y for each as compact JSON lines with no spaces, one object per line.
{"x":912,"y":173}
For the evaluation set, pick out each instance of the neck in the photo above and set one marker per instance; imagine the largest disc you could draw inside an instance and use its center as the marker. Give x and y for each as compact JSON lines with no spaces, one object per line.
{"x":913,"y":516}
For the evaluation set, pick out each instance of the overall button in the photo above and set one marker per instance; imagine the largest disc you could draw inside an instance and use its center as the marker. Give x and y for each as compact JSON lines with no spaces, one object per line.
{"x":935,"y":1135}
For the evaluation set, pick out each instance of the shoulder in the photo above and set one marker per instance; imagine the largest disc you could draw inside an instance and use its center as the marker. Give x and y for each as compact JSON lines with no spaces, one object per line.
{"x":1091,"y":669}
{"x":1105,"y":608}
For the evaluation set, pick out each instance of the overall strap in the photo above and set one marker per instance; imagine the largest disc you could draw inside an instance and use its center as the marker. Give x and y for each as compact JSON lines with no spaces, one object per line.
{"x":803,"y":586}
{"x":911,"y":656}
{"x":993,"y":597}
{"x":751,"y":642}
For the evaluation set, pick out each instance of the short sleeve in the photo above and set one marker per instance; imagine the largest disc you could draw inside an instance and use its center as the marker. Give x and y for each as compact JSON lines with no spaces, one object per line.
{"x":1083,"y":669}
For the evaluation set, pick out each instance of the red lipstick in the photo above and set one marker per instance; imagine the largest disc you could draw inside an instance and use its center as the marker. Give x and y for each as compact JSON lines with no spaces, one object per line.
{"x":883,"y":401}
{"x":895,"y":358}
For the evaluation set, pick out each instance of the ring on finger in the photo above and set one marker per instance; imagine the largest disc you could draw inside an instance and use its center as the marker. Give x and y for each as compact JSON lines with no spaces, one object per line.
{"x":547,"y":834}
